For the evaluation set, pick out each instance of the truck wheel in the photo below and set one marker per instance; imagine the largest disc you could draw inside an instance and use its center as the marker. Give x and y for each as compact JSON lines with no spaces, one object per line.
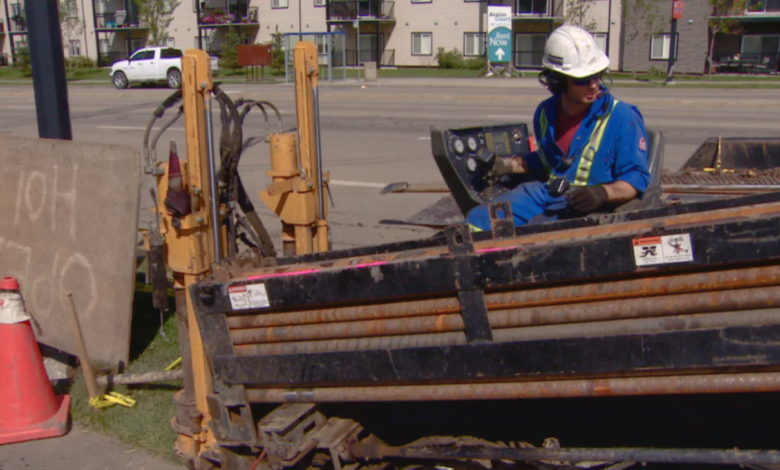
{"x":174,"y":78}
{"x":120,"y":80}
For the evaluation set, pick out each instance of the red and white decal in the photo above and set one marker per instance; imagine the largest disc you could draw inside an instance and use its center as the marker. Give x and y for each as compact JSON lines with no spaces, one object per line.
{"x":248,"y":296}
{"x":642,"y":144}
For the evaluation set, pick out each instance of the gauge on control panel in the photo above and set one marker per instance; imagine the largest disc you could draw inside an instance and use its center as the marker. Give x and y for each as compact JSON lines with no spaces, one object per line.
{"x":458,"y":146}
{"x":472,"y":164}
{"x":472,"y":143}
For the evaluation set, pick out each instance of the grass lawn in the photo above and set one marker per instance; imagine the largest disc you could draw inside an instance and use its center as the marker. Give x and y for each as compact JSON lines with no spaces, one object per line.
{"x":14,"y":73}
{"x":147,"y":425}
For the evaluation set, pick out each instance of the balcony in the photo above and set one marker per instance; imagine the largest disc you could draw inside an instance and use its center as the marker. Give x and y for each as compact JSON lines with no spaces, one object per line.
{"x":238,"y":15}
{"x":17,"y":23}
{"x":119,"y":20}
{"x":351,"y":10}
{"x":762,"y":7}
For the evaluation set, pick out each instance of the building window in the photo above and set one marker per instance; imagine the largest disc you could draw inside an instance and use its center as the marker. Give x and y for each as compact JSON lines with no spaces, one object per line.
{"x":422,"y":43}
{"x":532,"y":7}
{"x":529,"y":49}
{"x":762,"y":6}
{"x":473,"y":44}
{"x":320,"y":3}
{"x":660,"y":44}
{"x":170,"y":42}
{"x":70,"y":10}
{"x":601,"y":40}
{"x":75,"y":48}
{"x":279,"y":3}
{"x":105,"y":46}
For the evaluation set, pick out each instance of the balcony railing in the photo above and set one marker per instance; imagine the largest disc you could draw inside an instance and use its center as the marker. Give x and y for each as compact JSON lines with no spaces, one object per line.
{"x":763,"y":6}
{"x":17,"y":23}
{"x":218,"y":17}
{"x":340,"y":10}
{"x":353,"y":59}
{"x":117,"y":20}
{"x":749,"y":63}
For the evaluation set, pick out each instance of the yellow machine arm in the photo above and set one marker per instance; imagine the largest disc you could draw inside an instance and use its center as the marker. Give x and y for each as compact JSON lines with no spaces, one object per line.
{"x":194,"y":243}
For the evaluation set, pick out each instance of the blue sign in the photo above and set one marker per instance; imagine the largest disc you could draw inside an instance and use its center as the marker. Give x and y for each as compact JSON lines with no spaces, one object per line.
{"x":500,"y":45}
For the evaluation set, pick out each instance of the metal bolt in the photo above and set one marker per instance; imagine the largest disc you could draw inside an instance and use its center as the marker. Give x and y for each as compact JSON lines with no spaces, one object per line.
{"x":310,"y":185}
{"x":199,"y":219}
{"x":196,"y":191}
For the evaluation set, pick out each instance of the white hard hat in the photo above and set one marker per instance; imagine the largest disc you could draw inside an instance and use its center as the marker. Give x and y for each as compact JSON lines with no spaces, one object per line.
{"x":572,"y":51}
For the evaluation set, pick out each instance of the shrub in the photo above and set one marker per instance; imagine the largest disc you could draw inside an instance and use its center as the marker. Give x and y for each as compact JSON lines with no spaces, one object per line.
{"x":23,"y":61}
{"x":476,"y":63}
{"x":450,"y":59}
{"x":79,"y":62}
{"x":656,"y":71}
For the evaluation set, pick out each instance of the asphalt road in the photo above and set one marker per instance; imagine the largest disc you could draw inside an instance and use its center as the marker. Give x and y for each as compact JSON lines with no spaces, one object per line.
{"x":371,"y":136}
{"x":380,"y":134}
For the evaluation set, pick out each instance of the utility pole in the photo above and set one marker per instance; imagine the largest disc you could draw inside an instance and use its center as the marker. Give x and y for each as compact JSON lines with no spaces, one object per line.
{"x":48,"y":66}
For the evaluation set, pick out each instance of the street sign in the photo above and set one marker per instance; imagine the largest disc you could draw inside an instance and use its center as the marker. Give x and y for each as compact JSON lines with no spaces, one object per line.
{"x":677,"y":10}
{"x":499,"y":34}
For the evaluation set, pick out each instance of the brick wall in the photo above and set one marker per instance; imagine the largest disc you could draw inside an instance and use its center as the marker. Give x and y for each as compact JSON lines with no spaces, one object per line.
{"x":693,"y":41}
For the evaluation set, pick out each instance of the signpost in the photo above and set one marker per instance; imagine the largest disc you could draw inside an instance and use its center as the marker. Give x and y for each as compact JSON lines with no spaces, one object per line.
{"x":499,"y":40}
{"x":677,"y":14}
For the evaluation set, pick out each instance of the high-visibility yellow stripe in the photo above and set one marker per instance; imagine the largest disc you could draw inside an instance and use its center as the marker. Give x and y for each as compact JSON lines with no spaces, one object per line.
{"x":474,"y":228}
{"x":591,"y":148}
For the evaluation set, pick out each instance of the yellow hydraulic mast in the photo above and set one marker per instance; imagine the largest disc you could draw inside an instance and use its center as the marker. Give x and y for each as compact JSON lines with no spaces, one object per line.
{"x":192,"y":246}
{"x":299,"y":187}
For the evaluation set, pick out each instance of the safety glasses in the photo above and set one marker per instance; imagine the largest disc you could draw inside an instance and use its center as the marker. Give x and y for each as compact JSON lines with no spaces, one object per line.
{"x":585,"y":81}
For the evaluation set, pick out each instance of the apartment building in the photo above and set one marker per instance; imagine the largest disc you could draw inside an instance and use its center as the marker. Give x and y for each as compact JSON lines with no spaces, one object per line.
{"x":389,"y":32}
{"x":754,"y":45}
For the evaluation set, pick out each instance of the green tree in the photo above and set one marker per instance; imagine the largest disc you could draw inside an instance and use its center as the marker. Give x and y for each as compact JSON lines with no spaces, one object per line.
{"x":229,"y":58}
{"x":277,"y":53}
{"x":723,"y":20}
{"x":157,"y":16}
{"x":577,"y":14}
{"x":641,"y":18}
{"x":71,"y":26}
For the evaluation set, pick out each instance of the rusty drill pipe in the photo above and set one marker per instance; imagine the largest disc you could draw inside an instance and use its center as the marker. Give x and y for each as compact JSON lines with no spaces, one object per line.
{"x":532,"y":333}
{"x":663,"y":385}
{"x":697,"y":282}
{"x":604,"y":230}
{"x":719,"y":301}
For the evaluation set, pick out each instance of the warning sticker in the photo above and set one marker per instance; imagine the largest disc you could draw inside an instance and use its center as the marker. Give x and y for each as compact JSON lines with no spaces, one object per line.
{"x":661,"y":250}
{"x":246,"y":297}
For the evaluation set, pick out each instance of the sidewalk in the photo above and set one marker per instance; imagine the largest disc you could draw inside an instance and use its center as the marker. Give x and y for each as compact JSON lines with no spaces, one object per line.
{"x":79,"y":450}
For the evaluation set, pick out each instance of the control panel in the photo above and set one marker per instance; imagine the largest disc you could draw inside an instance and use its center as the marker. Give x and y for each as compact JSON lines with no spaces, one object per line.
{"x":465,"y":157}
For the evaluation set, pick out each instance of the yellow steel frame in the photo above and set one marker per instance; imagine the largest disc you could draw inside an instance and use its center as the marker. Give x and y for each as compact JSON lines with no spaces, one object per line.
{"x":189,"y":247}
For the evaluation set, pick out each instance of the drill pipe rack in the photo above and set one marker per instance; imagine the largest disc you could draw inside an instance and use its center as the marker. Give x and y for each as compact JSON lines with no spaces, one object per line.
{"x":528,"y":312}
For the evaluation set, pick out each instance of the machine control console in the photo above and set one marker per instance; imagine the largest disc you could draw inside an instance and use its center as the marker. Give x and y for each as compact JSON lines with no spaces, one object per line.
{"x":465,"y":157}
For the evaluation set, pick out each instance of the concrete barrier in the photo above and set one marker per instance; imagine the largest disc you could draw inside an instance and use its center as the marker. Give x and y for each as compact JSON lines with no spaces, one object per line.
{"x":68,"y":223}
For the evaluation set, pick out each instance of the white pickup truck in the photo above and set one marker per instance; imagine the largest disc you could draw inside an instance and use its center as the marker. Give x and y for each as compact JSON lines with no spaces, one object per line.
{"x":151,"y":65}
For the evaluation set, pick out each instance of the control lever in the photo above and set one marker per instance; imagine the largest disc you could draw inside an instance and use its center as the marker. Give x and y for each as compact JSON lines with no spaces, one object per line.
{"x":483,"y":161}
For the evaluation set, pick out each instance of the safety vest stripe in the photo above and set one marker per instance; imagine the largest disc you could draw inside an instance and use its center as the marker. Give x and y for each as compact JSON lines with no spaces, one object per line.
{"x":591,"y":148}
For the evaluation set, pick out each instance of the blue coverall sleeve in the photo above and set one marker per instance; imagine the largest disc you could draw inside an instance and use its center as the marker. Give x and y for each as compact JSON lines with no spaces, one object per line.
{"x":533,"y":160}
{"x":631,"y":159}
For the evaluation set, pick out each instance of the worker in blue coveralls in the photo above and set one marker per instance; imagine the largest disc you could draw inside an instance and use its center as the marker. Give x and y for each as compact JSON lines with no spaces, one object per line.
{"x":592,"y":148}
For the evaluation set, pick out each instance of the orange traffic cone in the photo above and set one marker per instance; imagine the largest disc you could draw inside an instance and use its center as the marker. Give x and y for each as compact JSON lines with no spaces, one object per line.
{"x":28,"y":408}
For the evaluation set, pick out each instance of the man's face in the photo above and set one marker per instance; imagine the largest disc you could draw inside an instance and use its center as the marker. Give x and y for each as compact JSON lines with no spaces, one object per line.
{"x":584,"y":90}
